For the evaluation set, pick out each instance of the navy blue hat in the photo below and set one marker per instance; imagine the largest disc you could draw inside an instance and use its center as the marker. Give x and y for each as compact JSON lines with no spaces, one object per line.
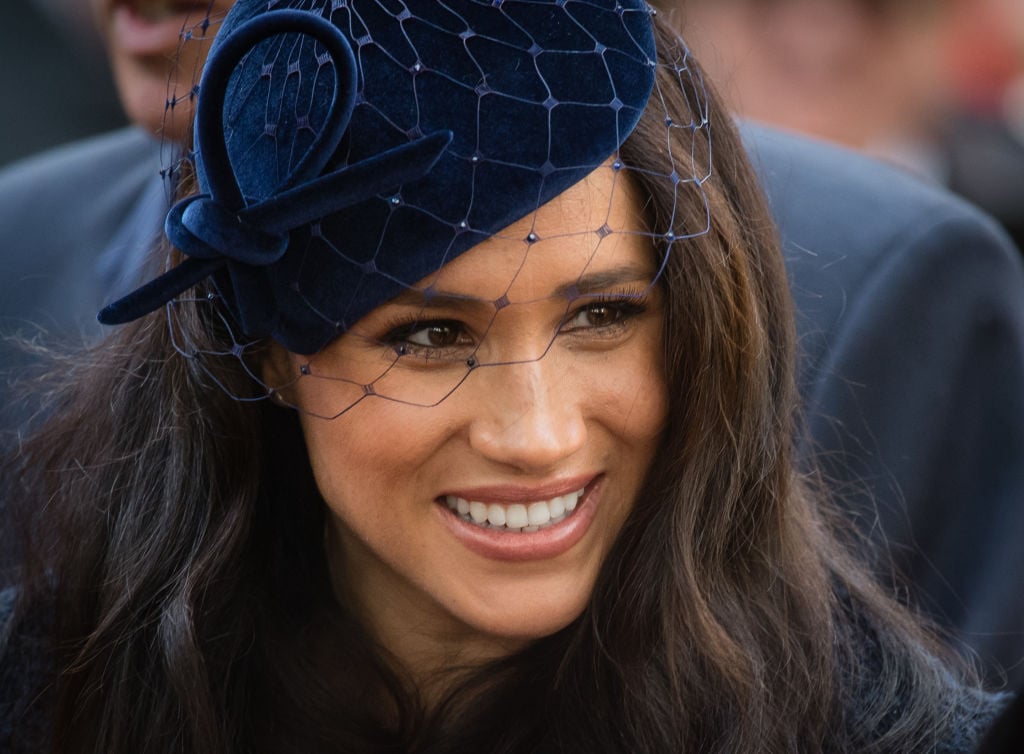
{"x":345,"y":151}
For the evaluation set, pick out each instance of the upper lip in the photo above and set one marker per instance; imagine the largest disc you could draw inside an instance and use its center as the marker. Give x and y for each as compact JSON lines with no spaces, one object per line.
{"x":521,"y":493}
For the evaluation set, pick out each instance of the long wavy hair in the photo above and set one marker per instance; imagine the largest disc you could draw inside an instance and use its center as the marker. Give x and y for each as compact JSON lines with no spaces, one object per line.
{"x":176,"y":537}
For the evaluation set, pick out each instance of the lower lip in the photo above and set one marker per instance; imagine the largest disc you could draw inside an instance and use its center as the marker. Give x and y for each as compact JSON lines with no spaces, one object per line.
{"x":136,"y":35}
{"x":520,"y":547}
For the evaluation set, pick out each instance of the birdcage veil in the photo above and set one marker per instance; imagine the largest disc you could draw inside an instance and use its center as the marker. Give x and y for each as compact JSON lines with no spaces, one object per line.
{"x":346,"y":151}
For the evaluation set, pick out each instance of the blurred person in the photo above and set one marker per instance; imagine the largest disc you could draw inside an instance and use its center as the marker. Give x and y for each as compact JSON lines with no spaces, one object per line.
{"x":910,"y":319}
{"x":984,"y":137}
{"x":881,"y":76}
{"x":78,"y":220}
{"x":986,"y":51}
{"x":156,"y":49}
{"x":864,"y":73}
{"x":53,"y":202}
{"x":928,"y":455}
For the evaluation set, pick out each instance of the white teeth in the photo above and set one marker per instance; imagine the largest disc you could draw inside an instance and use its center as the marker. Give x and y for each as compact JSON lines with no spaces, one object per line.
{"x":496,"y":515}
{"x":478,"y":512}
{"x":523,"y":517}
{"x":539,"y":514}
{"x":516,"y":517}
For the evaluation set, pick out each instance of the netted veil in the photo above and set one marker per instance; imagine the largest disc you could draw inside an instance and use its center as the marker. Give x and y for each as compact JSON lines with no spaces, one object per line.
{"x":346,"y":151}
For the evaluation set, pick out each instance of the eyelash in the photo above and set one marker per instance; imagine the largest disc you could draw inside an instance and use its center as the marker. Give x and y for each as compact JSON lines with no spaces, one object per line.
{"x":398,"y":339}
{"x":629,"y":304}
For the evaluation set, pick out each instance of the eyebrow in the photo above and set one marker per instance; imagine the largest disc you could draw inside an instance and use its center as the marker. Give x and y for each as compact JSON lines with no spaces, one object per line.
{"x":585,"y":284}
{"x":602,"y":279}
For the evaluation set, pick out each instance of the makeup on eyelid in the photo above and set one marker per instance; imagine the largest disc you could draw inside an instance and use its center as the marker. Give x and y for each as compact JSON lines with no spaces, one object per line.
{"x":401,"y":331}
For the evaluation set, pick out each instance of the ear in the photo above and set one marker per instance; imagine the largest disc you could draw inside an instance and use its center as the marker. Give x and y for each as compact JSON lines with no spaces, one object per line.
{"x":278,"y":370}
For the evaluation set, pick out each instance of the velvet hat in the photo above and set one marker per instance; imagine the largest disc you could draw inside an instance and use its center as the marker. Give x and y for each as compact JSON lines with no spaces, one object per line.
{"x":345,"y":150}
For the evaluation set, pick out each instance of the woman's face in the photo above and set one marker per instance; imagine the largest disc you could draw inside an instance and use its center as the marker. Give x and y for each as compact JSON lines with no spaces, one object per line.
{"x":569,"y":435}
{"x":157,"y":49}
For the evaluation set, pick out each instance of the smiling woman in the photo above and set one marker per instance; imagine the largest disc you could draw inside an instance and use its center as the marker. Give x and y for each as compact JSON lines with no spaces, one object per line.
{"x":459,"y":422}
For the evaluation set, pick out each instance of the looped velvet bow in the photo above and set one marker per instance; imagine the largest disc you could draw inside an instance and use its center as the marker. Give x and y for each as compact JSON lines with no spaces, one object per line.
{"x":217,"y":228}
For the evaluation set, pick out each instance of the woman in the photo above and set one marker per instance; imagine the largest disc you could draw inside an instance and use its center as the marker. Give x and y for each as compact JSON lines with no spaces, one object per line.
{"x":524,"y":482}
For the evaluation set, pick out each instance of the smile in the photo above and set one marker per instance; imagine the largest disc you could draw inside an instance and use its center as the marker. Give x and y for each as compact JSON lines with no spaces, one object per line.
{"x":515,"y":524}
{"x":148,"y":28}
{"x":515,"y":517}
{"x":157,"y":10}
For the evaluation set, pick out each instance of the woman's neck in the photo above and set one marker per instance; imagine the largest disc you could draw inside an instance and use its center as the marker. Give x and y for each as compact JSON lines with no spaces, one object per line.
{"x":429,"y":648}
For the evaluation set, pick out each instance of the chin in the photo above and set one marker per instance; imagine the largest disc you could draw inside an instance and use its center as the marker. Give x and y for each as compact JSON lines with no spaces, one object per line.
{"x":144,"y":95}
{"x":522,"y":618}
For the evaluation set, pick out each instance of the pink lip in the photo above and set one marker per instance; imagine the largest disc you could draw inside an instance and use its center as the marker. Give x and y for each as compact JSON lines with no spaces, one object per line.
{"x":137,"y":35}
{"x":515,"y":493}
{"x":521,"y":547}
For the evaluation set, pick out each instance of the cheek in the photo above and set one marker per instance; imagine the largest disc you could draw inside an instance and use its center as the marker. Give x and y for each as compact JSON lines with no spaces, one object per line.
{"x":345,"y":457}
{"x":645,"y":415}
{"x":634,"y":398}
{"x":364,"y":460}
{"x":356,"y":475}
{"x":143,"y":93}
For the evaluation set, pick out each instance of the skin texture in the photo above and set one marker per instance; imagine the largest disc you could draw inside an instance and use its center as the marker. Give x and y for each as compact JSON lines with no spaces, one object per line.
{"x":589,"y":412}
{"x":156,"y":51}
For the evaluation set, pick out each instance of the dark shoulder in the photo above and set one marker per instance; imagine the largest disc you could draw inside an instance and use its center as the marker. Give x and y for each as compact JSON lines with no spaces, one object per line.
{"x":1007,"y":733}
{"x":25,"y":670}
{"x":897,"y":696}
{"x":971,"y":714}
{"x":865,"y":242}
{"x":836,"y":207}
{"x":847,"y":184}
{"x":8,"y":597}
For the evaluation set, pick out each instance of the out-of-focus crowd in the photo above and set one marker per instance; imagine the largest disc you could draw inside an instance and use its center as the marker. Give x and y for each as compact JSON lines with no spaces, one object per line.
{"x":936,"y":86}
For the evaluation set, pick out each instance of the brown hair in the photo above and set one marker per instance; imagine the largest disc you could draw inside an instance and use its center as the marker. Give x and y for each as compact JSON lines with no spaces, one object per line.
{"x":180,"y":535}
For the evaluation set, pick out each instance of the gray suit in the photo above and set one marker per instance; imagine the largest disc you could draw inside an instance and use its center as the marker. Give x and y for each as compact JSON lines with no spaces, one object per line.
{"x":69,"y":218}
{"x":911,"y":322}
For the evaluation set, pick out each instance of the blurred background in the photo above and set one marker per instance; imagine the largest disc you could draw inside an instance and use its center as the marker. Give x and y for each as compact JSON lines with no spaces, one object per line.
{"x":936,"y":86}
{"x":55,"y":79}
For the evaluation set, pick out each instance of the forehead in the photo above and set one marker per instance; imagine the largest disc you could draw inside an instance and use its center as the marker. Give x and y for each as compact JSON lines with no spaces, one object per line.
{"x":594,"y":226}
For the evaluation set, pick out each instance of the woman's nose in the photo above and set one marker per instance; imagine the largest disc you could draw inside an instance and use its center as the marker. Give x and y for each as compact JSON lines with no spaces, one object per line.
{"x":530,"y":415}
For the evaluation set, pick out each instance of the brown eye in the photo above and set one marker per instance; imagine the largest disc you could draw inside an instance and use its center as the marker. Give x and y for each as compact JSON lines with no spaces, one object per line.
{"x":601,"y":315}
{"x":428,"y":337}
{"x":597,"y":316}
{"x":436,"y":335}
